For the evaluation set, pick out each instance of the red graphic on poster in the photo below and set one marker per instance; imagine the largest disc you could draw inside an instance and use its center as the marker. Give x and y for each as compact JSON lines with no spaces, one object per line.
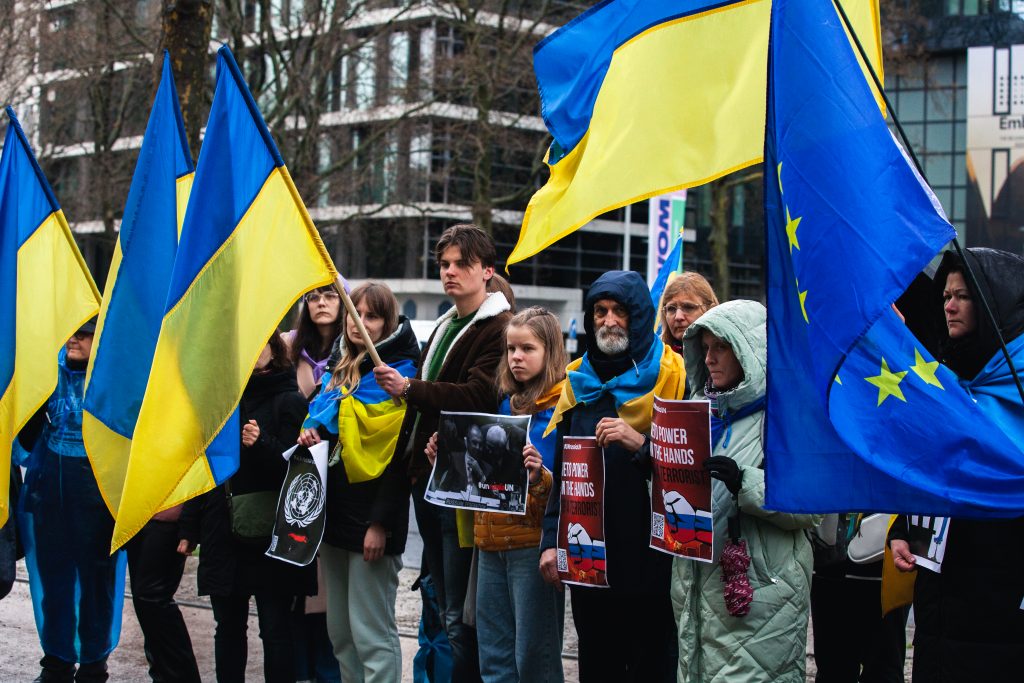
{"x":681,"y":509}
{"x":580,"y":548}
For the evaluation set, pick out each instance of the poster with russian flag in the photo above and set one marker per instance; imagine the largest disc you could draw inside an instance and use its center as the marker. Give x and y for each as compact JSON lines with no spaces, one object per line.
{"x":681,"y":505}
{"x":581,"y":556}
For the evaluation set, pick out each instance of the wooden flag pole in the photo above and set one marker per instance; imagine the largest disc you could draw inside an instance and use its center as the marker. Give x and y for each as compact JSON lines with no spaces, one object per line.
{"x":367,"y":343}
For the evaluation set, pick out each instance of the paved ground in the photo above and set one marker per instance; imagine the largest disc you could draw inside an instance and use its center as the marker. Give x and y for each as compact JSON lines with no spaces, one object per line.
{"x":19,"y":645}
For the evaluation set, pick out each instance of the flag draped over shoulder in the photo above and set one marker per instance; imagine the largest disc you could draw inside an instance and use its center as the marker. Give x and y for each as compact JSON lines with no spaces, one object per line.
{"x":248,"y":251}
{"x":136,"y":291}
{"x":645,"y":97}
{"x":46,"y":291}
{"x":366,"y":418}
{"x":860,"y":417}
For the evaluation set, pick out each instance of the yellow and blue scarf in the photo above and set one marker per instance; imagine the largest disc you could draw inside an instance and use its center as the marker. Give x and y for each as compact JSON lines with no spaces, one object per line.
{"x":660,"y":373}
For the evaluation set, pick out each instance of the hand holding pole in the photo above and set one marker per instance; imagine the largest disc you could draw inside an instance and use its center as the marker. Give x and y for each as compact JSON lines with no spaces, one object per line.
{"x":367,"y":342}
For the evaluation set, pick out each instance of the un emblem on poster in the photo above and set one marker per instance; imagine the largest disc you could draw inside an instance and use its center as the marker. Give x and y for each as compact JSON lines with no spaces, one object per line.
{"x":304,"y":500}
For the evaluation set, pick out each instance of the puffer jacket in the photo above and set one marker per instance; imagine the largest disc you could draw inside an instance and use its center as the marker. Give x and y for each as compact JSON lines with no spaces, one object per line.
{"x":769,"y":643}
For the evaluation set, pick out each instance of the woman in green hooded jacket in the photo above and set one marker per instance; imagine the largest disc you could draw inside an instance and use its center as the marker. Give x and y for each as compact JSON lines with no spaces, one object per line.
{"x":725,"y":353}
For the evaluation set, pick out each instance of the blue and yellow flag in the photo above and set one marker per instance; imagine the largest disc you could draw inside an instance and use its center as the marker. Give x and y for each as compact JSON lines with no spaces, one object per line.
{"x":136,"y":291}
{"x":645,"y":97}
{"x":860,"y":417}
{"x":669,"y":270}
{"x":46,"y":291}
{"x":367,"y":420}
{"x":248,"y":251}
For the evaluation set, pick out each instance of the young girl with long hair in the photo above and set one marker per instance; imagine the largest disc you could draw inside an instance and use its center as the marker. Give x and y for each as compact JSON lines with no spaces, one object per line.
{"x":520,"y":619}
{"x":367,"y":494}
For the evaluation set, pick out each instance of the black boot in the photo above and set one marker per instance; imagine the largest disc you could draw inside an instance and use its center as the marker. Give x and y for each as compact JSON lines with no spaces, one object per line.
{"x":55,"y":670}
{"x":93,"y":672}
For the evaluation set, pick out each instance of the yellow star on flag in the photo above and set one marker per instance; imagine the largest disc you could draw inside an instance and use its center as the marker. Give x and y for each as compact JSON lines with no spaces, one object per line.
{"x":803,"y":299}
{"x":926,"y":371}
{"x":791,"y":227}
{"x":888,"y":383}
{"x":838,"y":381}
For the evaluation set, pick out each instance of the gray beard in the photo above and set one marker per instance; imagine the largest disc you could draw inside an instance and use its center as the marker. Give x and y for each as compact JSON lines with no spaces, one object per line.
{"x":612,"y":342}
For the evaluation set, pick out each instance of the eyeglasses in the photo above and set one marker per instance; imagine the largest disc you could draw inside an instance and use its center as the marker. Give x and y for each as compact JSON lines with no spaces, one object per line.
{"x":686,"y":308}
{"x":314,"y":297}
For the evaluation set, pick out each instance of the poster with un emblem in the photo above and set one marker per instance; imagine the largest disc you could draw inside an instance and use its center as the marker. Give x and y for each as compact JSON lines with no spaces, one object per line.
{"x":299,"y":526}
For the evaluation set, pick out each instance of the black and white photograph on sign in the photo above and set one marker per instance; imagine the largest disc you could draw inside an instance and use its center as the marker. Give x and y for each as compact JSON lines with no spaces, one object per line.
{"x":927,"y":540}
{"x":479,"y":463}
{"x":299,"y":526}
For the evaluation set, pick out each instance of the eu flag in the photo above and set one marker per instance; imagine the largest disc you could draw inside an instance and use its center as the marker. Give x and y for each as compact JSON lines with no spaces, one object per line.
{"x":860,"y":416}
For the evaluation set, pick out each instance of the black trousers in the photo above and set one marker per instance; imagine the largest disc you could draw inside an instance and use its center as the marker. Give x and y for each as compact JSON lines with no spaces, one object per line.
{"x":230,"y":645}
{"x":852,"y":642}
{"x":624,"y":636}
{"x":156,"y":567}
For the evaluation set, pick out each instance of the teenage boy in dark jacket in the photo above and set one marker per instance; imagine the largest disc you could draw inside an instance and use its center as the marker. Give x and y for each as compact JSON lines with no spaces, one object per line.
{"x":456,"y":373}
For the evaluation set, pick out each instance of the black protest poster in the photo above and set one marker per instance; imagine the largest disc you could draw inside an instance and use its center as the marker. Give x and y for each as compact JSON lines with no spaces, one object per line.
{"x":299,"y":526}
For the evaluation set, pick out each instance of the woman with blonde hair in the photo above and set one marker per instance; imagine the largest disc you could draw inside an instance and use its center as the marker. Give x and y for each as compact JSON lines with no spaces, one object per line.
{"x":367,"y":493}
{"x":686,"y":298}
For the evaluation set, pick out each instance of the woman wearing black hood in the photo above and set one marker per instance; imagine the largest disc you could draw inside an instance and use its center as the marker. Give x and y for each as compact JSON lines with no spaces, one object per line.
{"x":969,"y":617}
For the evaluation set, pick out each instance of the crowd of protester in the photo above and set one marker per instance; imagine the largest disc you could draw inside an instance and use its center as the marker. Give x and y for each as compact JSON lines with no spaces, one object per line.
{"x":495,"y":575}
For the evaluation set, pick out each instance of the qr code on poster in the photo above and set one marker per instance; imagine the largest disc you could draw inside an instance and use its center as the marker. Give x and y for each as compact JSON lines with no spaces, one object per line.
{"x":563,"y":560}
{"x":657,"y":525}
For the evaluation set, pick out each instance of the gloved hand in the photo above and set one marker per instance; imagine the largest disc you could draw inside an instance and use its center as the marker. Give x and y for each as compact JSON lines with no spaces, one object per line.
{"x":725,"y":469}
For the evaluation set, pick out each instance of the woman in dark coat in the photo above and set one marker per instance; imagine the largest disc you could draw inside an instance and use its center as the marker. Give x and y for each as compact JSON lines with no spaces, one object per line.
{"x":367,"y":524}
{"x":969,"y":621}
{"x":230,"y":570}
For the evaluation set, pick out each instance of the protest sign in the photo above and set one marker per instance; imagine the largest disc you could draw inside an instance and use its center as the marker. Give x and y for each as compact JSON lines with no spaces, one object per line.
{"x":927,"y":540}
{"x":681,"y":503}
{"x":299,"y":527}
{"x":580,"y":552}
{"x":479,"y":464}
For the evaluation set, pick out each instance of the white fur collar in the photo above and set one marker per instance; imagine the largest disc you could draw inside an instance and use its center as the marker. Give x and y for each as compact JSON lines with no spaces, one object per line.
{"x":493,"y":305}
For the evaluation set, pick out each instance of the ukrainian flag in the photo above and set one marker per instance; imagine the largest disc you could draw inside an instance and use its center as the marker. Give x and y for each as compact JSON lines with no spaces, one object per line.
{"x":365,"y":419}
{"x":136,"y":291}
{"x":669,"y":271}
{"x":46,"y":292}
{"x":645,"y":97}
{"x":248,"y":251}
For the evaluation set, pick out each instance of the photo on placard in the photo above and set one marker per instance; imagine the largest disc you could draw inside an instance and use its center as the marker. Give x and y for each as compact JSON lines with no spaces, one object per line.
{"x":479,"y":463}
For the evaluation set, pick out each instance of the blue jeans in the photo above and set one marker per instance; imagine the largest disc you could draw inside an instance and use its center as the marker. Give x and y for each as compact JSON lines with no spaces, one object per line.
{"x":519,"y":619}
{"x":456,"y":563}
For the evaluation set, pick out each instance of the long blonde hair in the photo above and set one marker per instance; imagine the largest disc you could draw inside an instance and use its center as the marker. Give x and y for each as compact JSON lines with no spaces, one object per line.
{"x":380,"y":300}
{"x":524,"y":395}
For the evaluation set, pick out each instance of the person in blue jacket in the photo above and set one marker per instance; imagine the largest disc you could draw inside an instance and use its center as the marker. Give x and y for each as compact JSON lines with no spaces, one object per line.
{"x":77,"y":586}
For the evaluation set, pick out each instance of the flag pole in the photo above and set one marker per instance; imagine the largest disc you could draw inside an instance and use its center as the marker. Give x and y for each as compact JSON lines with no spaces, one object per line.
{"x":367,"y":342}
{"x":917,"y":164}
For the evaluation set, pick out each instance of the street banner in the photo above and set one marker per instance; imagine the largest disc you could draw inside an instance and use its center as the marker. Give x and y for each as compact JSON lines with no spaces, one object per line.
{"x":682,"y":509}
{"x":927,"y":540}
{"x":479,"y":464}
{"x":580,"y":545}
{"x":299,"y":526}
{"x":666,"y":214}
